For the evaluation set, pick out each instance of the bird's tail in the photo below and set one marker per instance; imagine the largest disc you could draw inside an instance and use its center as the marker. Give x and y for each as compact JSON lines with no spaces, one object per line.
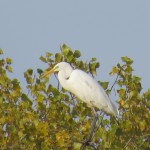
{"x":114,"y":109}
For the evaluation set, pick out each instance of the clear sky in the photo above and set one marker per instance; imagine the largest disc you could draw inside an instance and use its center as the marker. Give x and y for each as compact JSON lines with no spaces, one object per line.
{"x":106,"y":30}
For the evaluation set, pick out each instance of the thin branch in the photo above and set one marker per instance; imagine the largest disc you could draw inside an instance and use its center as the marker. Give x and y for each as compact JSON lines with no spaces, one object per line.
{"x":143,"y":142}
{"x":117,"y":76}
{"x":128,"y":143}
{"x":145,"y":139}
{"x":115,"y":80}
{"x":90,"y":144}
{"x":88,"y":141}
{"x":91,"y":133}
{"x":145,"y":135}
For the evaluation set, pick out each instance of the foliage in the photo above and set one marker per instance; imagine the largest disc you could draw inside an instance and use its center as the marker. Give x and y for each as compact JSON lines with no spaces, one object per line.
{"x":49,"y":117}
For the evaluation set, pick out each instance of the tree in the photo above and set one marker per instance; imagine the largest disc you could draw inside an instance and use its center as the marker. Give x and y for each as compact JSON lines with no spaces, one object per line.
{"x":49,"y":117}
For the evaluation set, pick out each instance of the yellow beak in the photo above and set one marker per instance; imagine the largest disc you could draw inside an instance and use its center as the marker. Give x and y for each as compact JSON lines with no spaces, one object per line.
{"x":47,"y":73}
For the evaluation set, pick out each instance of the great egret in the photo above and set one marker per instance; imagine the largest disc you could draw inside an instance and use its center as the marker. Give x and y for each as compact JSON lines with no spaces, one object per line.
{"x":83,"y":86}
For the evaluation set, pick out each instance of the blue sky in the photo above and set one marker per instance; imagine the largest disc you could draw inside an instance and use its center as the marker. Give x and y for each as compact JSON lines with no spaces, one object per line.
{"x":106,"y":30}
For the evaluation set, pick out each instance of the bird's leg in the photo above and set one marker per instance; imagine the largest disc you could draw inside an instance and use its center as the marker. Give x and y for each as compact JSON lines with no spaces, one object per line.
{"x":93,"y":124}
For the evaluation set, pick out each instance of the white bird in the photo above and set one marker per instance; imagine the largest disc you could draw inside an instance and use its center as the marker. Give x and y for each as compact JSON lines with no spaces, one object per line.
{"x":83,"y":86}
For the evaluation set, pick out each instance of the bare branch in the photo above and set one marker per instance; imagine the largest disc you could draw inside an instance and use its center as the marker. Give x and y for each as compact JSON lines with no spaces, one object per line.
{"x":115,"y":80}
{"x":117,"y":77}
{"x":128,"y":143}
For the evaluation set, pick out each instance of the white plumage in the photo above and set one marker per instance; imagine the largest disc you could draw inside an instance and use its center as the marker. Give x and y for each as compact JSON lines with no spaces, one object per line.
{"x":84,"y":87}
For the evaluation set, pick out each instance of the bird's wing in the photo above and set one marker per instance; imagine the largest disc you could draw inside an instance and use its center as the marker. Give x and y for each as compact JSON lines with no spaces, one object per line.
{"x":87,"y":89}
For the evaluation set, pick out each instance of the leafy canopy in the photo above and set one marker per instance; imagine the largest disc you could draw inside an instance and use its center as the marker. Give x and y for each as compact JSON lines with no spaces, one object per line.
{"x":49,"y":117}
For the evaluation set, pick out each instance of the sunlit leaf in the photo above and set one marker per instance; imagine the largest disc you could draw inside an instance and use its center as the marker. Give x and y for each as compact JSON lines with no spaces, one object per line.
{"x":43,"y":59}
{"x":58,"y":57}
{"x":66,"y":50}
{"x":43,"y":115}
{"x":9,"y":68}
{"x":127,"y":60}
{"x":114,"y":71}
{"x":30,"y":71}
{"x":48,"y":54}
{"x":94,"y":59}
{"x":148,"y":103}
{"x":8,"y":60}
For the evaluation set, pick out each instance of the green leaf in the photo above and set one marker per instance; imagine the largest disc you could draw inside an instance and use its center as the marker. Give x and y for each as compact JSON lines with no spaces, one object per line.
{"x":127,"y":60}
{"x":94,"y":59}
{"x":80,"y":64}
{"x":40,"y":71}
{"x":43,"y":59}
{"x":148,"y":103}
{"x":77,"y":54}
{"x":9,"y":68}
{"x":121,"y":92}
{"x":133,"y":94}
{"x":15,"y":83}
{"x":8,"y":60}
{"x":93,"y":67}
{"x":136,"y":79}
{"x":29,"y":80}
{"x":104,"y":84}
{"x":114,"y":71}
{"x":49,"y":117}
{"x":76,"y":146}
{"x":48,"y":54}
{"x":142,"y":125}
{"x":147,"y":94}
{"x":1,"y":100}
{"x":58,"y":57}
{"x":66,"y":49}
{"x":70,"y":58}
{"x":1,"y":51}
{"x":2,"y":62}
{"x":119,"y":131}
{"x":40,"y":98}
{"x":24,"y":97}
{"x":30,"y":71}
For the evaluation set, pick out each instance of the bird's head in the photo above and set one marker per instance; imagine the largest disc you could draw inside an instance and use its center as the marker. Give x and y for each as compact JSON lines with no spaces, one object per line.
{"x":62,"y":66}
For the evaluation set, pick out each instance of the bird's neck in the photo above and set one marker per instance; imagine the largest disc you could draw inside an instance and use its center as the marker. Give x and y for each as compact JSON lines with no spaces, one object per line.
{"x":64,"y":79}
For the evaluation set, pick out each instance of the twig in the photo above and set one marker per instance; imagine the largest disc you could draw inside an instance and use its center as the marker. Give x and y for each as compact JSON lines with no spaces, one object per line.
{"x":115,"y":80}
{"x":90,"y":144}
{"x":127,"y":143}
{"x":145,"y":135}
{"x":121,"y":68}
{"x":143,"y":142}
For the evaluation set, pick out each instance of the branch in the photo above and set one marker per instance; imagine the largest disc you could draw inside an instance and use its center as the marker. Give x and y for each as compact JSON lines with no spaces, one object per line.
{"x":136,"y":137}
{"x":117,"y":76}
{"x":88,"y":142}
{"x":128,"y":143}
{"x":115,"y":80}
{"x":144,"y":140}
{"x":91,"y":133}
